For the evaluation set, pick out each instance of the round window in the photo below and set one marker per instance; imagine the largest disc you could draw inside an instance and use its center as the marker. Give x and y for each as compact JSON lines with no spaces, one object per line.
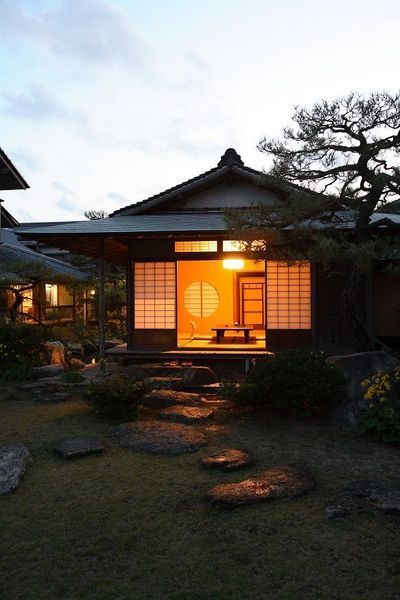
{"x":201,"y":299}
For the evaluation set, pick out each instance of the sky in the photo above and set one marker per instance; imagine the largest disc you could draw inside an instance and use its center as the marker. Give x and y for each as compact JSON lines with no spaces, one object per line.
{"x":104,"y":103}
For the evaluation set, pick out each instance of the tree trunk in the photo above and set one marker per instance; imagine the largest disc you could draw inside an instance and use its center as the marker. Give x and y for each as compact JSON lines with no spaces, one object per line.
{"x":352,"y":308}
{"x":19,"y":298}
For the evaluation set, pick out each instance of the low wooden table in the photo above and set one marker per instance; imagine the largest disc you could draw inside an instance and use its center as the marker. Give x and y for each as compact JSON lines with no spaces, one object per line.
{"x":220,"y":330}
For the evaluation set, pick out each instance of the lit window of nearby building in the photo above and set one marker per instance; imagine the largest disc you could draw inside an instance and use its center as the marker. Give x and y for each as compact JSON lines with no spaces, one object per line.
{"x":201,"y":299}
{"x":51,"y":294}
{"x":196,"y":246}
{"x":288,"y":295}
{"x":155,"y":295}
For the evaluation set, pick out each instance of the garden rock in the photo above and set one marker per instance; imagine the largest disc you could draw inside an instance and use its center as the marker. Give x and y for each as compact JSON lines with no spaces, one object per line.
{"x":165,"y":398}
{"x":56,"y":353}
{"x":79,"y":446}
{"x":52,"y":398}
{"x":356,"y":368}
{"x":13,"y":462}
{"x":197,"y":375}
{"x":228,"y":459}
{"x":288,"y":481}
{"x":185,"y":414}
{"x":76,"y":350}
{"x":159,"y":437}
{"x":370,"y":496}
{"x":48,"y":370}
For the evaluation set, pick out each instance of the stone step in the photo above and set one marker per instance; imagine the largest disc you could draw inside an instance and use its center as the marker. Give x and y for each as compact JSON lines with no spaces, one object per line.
{"x":164,"y":398}
{"x":191,"y":375}
{"x":189,"y":415}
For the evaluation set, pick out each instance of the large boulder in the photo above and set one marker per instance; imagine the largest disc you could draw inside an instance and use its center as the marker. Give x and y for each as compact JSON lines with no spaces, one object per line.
{"x":376,"y":497}
{"x":356,"y":368}
{"x":192,"y":375}
{"x":288,"y":481}
{"x":48,"y":370}
{"x":55,"y":353}
{"x":13,"y":462}
{"x":159,"y":437}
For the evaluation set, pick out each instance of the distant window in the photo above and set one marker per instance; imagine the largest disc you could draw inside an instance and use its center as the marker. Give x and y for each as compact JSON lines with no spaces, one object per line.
{"x":196,"y":246}
{"x":201,"y":299}
{"x":51,"y":294}
{"x":155,"y":295}
{"x":288,"y":295}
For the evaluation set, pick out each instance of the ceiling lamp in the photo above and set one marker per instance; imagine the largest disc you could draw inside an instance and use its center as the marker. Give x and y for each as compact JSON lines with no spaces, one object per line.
{"x":233,"y":263}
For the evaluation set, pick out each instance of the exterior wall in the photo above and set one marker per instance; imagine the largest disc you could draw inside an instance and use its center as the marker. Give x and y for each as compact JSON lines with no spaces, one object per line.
{"x":386,"y":305}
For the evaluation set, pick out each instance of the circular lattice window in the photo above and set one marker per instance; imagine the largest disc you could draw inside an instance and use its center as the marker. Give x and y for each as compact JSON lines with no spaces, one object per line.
{"x":201,"y":299}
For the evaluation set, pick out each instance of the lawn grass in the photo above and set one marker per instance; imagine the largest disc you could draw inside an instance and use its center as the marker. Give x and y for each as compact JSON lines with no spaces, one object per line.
{"x":128,"y":525}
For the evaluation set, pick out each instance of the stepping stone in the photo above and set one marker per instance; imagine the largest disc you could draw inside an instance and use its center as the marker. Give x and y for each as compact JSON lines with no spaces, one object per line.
{"x":192,"y":375}
{"x":197,"y":375}
{"x":13,"y":462}
{"x":185,"y":414}
{"x":165,"y":383}
{"x":287,"y":481}
{"x":228,"y":459}
{"x":48,"y":370}
{"x":158,"y":436}
{"x":164,"y":398}
{"x":79,"y":446}
{"x":370,"y":496}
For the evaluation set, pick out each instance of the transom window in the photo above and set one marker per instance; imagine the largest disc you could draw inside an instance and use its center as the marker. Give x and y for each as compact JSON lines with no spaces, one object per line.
{"x":196,"y":246}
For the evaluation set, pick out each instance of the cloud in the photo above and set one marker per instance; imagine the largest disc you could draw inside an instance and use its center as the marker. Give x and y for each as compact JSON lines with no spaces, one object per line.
{"x":38,"y":104}
{"x":60,"y":187}
{"x":67,"y":205}
{"x":90,"y":31}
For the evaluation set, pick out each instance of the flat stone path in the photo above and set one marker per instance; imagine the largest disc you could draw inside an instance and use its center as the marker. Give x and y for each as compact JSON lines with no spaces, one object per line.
{"x":287,"y":481}
{"x":189,"y":415}
{"x":228,"y":459}
{"x":79,"y":446}
{"x":370,"y":496}
{"x":159,"y":437}
{"x":165,"y":398}
{"x":13,"y":462}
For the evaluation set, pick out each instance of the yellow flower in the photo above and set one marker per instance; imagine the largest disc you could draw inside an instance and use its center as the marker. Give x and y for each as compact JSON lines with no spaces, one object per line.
{"x":370,"y":406}
{"x":381,"y":400}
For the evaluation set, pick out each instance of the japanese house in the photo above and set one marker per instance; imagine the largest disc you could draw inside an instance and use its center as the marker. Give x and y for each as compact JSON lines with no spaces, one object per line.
{"x":191,"y":286}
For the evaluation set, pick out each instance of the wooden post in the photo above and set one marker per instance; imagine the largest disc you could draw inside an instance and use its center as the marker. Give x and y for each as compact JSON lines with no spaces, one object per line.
{"x":314,"y":320}
{"x":101,"y":299}
{"x":129,"y":302}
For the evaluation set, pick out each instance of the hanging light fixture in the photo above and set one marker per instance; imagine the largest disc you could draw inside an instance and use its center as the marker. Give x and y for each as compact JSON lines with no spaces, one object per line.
{"x":233,"y":263}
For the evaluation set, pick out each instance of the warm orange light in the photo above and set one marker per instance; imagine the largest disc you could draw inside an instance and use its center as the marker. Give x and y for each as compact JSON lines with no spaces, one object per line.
{"x":233,"y":263}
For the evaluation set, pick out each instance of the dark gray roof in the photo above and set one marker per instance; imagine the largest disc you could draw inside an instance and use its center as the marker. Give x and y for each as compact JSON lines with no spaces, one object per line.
{"x":161,"y":223}
{"x":13,"y":257}
{"x":10,"y":177}
{"x":230,"y":164}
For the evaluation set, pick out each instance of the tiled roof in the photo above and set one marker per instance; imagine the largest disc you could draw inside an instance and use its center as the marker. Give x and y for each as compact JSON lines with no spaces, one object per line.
{"x":230,"y":163}
{"x":12,"y":258}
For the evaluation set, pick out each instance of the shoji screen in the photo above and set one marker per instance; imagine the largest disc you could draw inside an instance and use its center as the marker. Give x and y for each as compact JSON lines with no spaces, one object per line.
{"x":155,"y":295}
{"x":288,"y":295}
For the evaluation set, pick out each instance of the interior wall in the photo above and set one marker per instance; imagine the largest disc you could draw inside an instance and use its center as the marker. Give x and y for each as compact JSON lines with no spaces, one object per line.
{"x":223,"y":280}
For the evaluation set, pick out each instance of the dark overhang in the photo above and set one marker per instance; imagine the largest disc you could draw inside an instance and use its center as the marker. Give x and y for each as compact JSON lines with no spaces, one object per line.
{"x":10,"y":177}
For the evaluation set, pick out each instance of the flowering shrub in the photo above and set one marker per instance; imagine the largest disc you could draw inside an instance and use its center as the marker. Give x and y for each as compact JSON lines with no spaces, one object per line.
{"x":382,"y":412}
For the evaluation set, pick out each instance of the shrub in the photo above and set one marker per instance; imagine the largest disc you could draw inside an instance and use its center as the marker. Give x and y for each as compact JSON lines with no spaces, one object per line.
{"x":115,"y":397}
{"x":293,"y":381}
{"x":21,"y":347}
{"x":72,"y":377}
{"x":382,"y":411}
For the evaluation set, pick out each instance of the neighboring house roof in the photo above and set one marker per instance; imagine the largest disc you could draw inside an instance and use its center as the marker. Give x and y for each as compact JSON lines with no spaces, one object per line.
{"x":10,"y":177}
{"x":230,"y":165}
{"x":13,"y":256}
{"x":7,"y":219}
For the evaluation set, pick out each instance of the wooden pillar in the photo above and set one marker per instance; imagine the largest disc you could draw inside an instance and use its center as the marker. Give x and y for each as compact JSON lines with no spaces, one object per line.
{"x":314,"y":320}
{"x":129,"y":303}
{"x":101,"y":299}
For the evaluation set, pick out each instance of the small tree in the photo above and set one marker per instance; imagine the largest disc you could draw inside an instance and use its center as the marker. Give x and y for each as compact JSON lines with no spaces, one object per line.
{"x":336,"y":165}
